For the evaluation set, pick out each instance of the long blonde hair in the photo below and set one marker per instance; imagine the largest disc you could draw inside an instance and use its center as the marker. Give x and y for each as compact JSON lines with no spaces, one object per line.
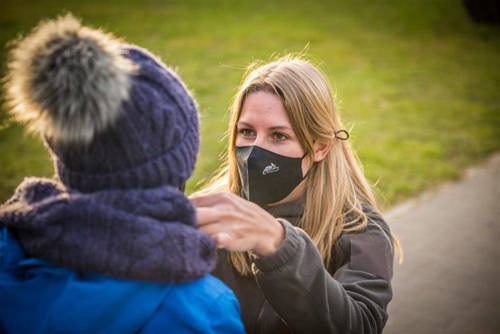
{"x":337,"y":187}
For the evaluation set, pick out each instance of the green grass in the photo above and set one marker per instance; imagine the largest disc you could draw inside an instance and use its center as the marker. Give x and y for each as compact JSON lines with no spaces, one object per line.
{"x":417,"y":81}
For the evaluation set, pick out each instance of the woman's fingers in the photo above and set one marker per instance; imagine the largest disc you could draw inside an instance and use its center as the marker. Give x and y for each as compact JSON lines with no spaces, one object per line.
{"x":216,"y":227}
{"x":223,"y":240}
{"x":201,"y":200}
{"x":233,"y":222}
{"x":207,"y":215}
{"x":233,"y":243}
{"x":209,"y":200}
{"x":223,"y":233}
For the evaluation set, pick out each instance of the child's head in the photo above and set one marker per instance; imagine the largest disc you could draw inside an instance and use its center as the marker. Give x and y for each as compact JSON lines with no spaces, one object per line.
{"x":112,"y":115}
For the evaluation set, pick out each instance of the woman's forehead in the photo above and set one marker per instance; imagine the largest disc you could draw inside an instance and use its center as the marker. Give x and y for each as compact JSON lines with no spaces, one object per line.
{"x":264,"y":109}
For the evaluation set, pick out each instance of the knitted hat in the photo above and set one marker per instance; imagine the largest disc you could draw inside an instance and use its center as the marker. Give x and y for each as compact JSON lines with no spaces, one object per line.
{"x":112,"y":114}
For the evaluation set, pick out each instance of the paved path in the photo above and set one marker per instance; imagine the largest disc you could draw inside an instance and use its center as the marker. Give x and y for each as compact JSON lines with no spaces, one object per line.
{"x":450,"y":279}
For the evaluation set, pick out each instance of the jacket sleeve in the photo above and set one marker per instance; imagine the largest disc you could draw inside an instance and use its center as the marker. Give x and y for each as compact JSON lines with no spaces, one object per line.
{"x":309,"y":299}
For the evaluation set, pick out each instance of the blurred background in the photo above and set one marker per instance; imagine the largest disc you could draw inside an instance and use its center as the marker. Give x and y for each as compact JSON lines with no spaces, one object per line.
{"x":417,"y":84}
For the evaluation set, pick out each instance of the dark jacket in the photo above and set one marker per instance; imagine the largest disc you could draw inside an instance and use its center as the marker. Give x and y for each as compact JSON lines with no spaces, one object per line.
{"x":293,"y":292}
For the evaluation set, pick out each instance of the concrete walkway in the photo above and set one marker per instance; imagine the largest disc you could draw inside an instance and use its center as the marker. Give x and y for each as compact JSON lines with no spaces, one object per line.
{"x":450,"y":279}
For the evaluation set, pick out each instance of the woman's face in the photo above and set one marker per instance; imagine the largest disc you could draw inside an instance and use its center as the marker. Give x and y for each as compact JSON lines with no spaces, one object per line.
{"x":264,"y":122}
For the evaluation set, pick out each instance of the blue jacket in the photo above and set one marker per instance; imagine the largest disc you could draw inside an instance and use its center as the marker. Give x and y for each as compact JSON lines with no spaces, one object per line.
{"x":38,"y":297}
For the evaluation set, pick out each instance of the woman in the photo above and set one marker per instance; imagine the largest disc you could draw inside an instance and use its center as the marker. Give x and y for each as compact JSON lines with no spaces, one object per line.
{"x":303,"y":244}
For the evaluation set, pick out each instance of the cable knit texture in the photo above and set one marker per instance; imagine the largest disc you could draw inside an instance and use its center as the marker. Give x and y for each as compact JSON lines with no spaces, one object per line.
{"x":144,"y":234}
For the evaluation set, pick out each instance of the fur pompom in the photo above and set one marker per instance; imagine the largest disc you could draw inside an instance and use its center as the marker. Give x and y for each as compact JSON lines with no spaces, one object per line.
{"x":67,"y":81}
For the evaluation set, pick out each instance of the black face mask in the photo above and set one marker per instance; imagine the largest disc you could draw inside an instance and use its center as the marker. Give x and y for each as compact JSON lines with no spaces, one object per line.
{"x":267,"y":177}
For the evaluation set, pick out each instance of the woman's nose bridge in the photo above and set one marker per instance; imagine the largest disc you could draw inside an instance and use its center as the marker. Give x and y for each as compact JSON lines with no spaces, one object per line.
{"x":259,"y":139}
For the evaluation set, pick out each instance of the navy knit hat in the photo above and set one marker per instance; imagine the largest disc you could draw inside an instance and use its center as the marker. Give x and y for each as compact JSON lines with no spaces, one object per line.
{"x":113,"y":115}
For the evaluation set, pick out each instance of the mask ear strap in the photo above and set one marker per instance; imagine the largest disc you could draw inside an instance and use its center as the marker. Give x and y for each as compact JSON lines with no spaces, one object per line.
{"x":342,"y":134}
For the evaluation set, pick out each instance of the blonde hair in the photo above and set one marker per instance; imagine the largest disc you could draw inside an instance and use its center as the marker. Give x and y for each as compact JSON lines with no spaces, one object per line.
{"x":338,"y":187}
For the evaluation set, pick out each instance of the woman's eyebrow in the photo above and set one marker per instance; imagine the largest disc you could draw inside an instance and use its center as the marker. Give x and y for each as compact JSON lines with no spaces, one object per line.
{"x":240,"y":123}
{"x":272,"y":128}
{"x":280,"y":127}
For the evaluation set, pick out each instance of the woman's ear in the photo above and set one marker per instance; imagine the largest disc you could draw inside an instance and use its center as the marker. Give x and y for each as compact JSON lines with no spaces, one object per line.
{"x":321,"y":149}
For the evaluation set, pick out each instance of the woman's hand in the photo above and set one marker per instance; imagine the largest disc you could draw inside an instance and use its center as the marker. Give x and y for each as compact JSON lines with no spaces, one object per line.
{"x":237,"y":224}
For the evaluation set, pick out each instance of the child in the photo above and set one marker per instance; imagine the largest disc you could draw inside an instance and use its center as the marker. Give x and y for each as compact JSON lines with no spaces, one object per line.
{"x":123,"y":133}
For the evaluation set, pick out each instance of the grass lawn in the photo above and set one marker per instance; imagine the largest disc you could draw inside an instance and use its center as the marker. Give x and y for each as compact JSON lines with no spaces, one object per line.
{"x":418,"y":83}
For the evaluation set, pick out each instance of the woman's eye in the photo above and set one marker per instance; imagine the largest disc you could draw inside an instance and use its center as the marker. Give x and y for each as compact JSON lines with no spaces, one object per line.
{"x":279,"y":136}
{"x":246,"y":132}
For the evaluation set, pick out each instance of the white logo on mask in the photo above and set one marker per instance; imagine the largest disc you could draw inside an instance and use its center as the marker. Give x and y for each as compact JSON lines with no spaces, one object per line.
{"x":272,"y":168}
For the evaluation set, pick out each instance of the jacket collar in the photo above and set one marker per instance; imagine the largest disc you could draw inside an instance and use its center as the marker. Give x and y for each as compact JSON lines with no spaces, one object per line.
{"x":291,"y":211}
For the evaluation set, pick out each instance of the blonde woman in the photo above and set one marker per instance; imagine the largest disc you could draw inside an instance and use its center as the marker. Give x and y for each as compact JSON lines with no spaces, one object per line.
{"x":302,"y":242}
